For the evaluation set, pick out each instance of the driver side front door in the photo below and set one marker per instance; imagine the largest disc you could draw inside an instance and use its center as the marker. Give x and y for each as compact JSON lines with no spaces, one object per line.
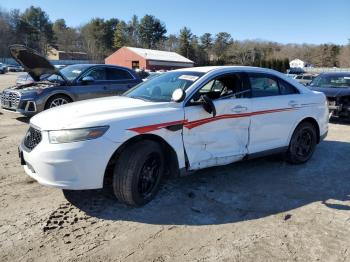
{"x":94,"y":89}
{"x":221,"y":139}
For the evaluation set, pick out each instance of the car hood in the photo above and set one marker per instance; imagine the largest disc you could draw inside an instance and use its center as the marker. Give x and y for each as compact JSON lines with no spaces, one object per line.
{"x":34,"y":63}
{"x":332,"y":91}
{"x":101,"y":111}
{"x":30,"y":86}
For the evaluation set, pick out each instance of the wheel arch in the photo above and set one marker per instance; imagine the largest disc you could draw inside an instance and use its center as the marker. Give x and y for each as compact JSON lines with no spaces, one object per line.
{"x":63,"y":93}
{"x":169,"y":152}
{"x":312,"y":121}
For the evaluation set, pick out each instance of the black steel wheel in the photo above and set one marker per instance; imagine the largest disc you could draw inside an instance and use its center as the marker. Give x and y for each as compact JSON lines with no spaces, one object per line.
{"x":302,"y":144}
{"x":138,"y":172}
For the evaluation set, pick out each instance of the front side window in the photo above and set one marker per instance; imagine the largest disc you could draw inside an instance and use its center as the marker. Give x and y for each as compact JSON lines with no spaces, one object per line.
{"x":161,"y":88}
{"x":262,"y":85}
{"x":98,"y":74}
{"x":227,"y":86}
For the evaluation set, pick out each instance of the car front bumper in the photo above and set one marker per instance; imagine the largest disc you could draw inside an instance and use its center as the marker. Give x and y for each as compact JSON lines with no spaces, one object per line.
{"x":75,"y":166}
{"x":26,"y":108}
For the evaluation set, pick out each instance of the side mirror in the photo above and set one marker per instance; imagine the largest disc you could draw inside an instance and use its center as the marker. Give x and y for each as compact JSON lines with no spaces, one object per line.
{"x":87,"y":80}
{"x":209,"y":105}
{"x":178,"y":95}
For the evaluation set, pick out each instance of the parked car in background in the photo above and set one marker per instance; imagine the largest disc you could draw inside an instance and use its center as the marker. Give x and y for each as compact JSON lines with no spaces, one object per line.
{"x":2,"y":68}
{"x":14,"y":68}
{"x":304,"y":79}
{"x":180,"y":121}
{"x":60,"y":66}
{"x":336,"y":86}
{"x":58,"y":87}
{"x":24,"y":79}
{"x":291,"y":75}
{"x":152,"y":75}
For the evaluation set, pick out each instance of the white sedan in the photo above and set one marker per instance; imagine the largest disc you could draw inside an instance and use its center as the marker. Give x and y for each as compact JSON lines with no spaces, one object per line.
{"x":181,"y":121}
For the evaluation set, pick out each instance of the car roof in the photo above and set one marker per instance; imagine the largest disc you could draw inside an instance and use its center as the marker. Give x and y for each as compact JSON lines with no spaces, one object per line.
{"x":93,"y":65}
{"x":207,"y":69}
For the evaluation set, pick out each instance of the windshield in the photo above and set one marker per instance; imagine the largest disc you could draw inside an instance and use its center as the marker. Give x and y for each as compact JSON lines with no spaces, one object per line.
{"x":161,"y":88}
{"x":335,"y":81}
{"x":70,"y":72}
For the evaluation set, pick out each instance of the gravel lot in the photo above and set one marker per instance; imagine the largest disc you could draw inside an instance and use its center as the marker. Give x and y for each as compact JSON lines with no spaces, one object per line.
{"x":259,"y":210}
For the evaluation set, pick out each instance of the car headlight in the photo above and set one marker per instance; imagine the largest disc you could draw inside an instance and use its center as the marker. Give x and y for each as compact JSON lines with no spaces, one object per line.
{"x":74,"y":135}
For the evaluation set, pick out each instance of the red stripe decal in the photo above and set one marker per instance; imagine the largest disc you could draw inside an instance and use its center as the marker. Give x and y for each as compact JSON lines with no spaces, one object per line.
{"x":203,"y":121}
{"x":150,"y":128}
{"x":193,"y":124}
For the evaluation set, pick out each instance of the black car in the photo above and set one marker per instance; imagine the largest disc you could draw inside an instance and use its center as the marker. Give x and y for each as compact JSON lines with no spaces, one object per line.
{"x":336,"y":87}
{"x":52,"y":87}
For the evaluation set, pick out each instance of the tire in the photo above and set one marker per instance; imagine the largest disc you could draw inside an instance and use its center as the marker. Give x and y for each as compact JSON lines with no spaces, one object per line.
{"x":138,"y":172}
{"x":303,"y":143}
{"x":57,"y":100}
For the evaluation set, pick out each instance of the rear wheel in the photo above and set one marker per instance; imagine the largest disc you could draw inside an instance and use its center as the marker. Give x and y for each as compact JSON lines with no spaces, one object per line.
{"x":57,"y":100}
{"x":138,"y":172}
{"x":302,"y":144}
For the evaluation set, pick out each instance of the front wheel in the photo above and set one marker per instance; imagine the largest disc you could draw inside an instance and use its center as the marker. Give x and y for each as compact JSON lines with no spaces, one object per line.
{"x":303,"y":143}
{"x":57,"y":100}
{"x":138,"y":172}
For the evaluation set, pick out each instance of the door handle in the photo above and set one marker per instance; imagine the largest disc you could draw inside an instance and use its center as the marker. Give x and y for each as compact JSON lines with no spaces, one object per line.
{"x":239,"y":109}
{"x":293,"y":103}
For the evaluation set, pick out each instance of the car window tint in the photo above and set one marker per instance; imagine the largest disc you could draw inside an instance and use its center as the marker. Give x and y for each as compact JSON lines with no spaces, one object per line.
{"x":286,"y":88}
{"x":118,"y":74}
{"x":298,"y":77}
{"x":307,"y":77}
{"x":263,"y":86}
{"x":227,"y":86}
{"x":98,"y":74}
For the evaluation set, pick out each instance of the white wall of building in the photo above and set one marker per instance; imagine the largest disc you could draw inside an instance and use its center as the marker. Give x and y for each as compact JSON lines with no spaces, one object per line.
{"x":297,"y":63}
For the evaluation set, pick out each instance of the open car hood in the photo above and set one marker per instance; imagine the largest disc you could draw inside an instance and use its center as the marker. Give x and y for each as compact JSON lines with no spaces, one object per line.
{"x":34,"y":63}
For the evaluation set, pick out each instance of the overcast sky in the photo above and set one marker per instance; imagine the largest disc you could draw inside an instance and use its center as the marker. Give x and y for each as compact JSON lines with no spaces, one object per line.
{"x":297,"y":21}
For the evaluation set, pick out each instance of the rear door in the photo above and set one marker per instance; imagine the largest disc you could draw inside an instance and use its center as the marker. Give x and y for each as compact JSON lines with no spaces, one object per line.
{"x":119,"y":80}
{"x":217,"y":140}
{"x":275,"y":109}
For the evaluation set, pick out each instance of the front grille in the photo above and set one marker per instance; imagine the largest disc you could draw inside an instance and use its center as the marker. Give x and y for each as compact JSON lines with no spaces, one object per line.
{"x":32,"y":138}
{"x":10,"y":99}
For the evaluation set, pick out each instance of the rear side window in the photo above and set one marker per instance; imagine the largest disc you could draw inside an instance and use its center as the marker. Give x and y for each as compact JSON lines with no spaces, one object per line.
{"x":118,"y":74}
{"x":267,"y":85}
{"x":286,"y":88}
{"x":263,"y":85}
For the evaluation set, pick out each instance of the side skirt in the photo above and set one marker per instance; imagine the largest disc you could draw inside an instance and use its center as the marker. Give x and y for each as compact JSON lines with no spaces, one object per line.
{"x":274,"y":151}
{"x":185,"y":171}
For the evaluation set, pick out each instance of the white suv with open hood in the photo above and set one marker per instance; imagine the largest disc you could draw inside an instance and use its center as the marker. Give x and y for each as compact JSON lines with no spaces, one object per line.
{"x":183,"y":120}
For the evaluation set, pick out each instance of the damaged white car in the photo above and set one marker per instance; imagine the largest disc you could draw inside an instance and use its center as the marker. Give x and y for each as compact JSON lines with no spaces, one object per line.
{"x":183,"y":120}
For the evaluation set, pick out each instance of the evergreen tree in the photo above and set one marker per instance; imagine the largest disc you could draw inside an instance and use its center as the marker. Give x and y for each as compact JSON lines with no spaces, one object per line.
{"x":185,"y":39}
{"x":120,"y":38}
{"x":151,"y":31}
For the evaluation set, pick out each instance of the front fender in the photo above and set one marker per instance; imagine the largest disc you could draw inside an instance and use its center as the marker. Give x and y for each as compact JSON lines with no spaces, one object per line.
{"x":51,"y":93}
